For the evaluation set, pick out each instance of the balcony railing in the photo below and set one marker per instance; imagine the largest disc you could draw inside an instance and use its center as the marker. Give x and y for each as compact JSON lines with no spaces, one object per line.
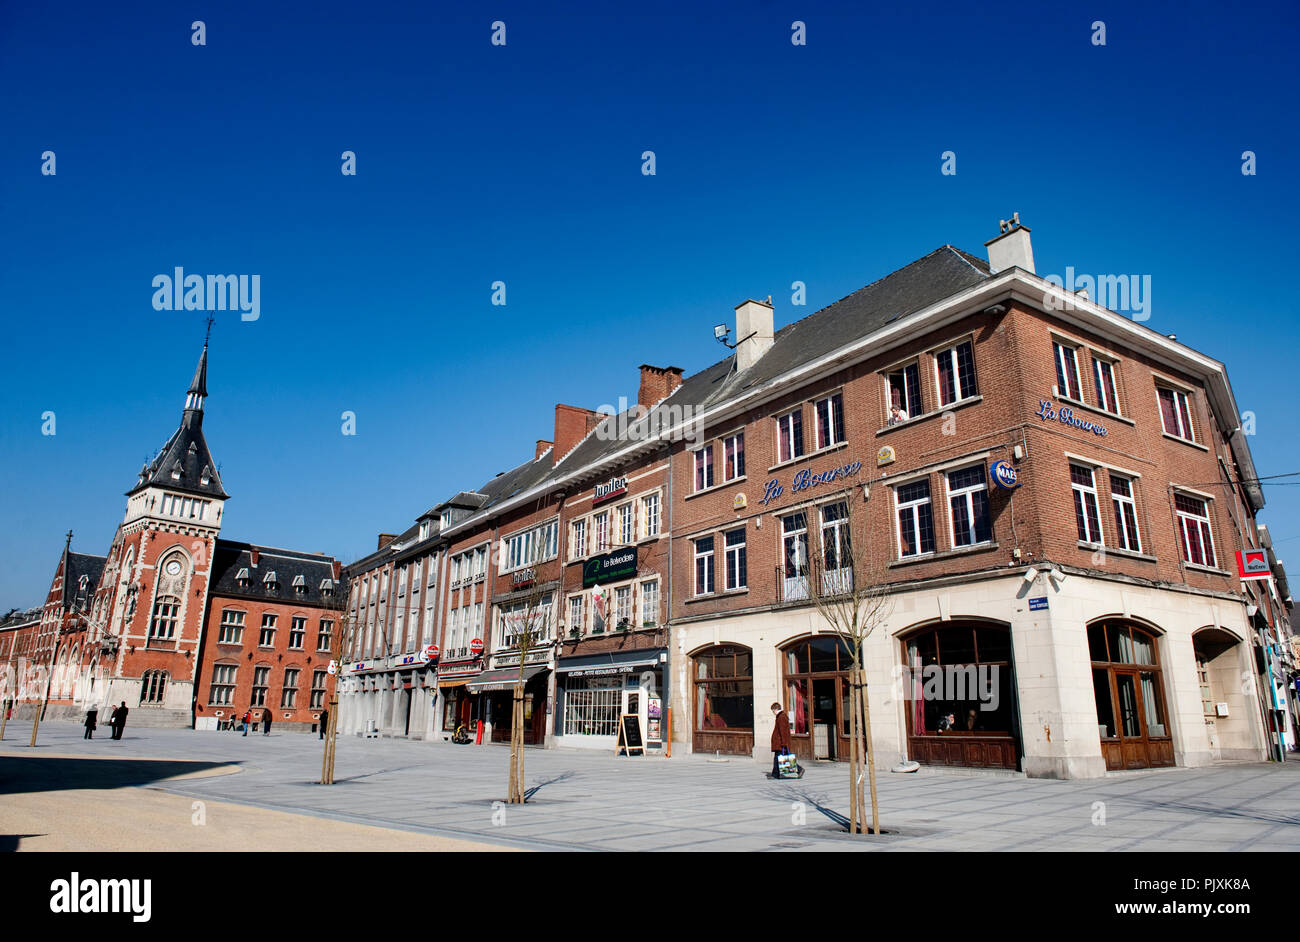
{"x":794,"y":588}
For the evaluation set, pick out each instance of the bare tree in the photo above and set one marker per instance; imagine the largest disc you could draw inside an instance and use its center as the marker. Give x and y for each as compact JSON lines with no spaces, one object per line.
{"x":852,"y":600}
{"x":529,"y":622}
{"x":342,"y":641}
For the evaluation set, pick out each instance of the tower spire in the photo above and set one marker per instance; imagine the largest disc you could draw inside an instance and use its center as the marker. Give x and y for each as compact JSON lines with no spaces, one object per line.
{"x":198,"y":390}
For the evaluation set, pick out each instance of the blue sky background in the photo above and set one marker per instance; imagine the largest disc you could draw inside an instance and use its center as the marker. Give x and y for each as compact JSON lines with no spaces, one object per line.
{"x":478,"y":163}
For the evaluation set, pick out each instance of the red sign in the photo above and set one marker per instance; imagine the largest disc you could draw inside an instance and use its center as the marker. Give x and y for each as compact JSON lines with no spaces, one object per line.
{"x":1252,"y":564}
{"x":431,"y":653}
{"x":476,"y":645}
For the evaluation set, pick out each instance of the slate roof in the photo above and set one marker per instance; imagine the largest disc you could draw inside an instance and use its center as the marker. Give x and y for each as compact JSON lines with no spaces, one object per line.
{"x":78,"y":565}
{"x":230,"y":557}
{"x":188,"y":449}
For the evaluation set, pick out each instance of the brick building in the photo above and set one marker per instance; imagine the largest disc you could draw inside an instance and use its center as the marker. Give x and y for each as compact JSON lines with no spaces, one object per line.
{"x":142,"y":624}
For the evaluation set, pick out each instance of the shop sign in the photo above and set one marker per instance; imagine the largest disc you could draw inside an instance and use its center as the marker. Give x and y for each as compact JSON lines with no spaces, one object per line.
{"x":1039,"y":604}
{"x":411,"y":659}
{"x":431,"y":653}
{"x":1252,"y":564}
{"x":653,"y":732}
{"x":739,"y":502}
{"x":359,"y":666}
{"x":476,"y":646}
{"x":523,"y":578}
{"x":885,"y":456}
{"x":606,"y":671}
{"x":614,"y":487}
{"x":609,"y":567}
{"x":459,"y":670}
{"x":1004,"y":475}
{"x":805,"y":479}
{"x":1065,"y":415}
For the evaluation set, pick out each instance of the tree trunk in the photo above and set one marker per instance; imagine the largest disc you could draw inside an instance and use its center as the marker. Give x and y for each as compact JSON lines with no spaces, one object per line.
{"x":871,"y":756}
{"x":854,"y":754}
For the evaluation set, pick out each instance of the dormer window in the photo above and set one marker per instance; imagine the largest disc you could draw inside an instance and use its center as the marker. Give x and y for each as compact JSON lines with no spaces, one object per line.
{"x":300,"y":584}
{"x":205,"y":476}
{"x":243,"y":578}
{"x":327,"y":587}
{"x":176,"y":471}
{"x":270,"y":580}
{"x":446,"y":519}
{"x":425,"y":527}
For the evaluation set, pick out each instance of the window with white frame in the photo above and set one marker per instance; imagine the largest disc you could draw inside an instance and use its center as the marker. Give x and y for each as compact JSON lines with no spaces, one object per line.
{"x":297,"y":631}
{"x":1087,"y":515}
{"x":789,"y":436}
{"x":733,"y":457}
{"x":650,"y":514}
{"x":325,"y":635}
{"x":166,"y":612}
{"x":1176,"y":413}
{"x":837,"y":552}
{"x":904,"y":385}
{"x":704,"y":566}
{"x":915,"y":519}
{"x":830,"y":420}
{"x":1126,"y":524}
{"x":623,"y":606}
{"x":600,"y":528}
{"x":578,"y":539}
{"x":1067,"y":371}
{"x":1103,"y":374}
{"x":650,"y":603}
{"x":737,"y":576}
{"x":593,"y":708}
{"x":968,"y":500}
{"x":319,"y":680}
{"x":261,"y":684}
{"x":232,"y":627}
{"x":1194,"y":535}
{"x":704,"y":467}
{"x":153,"y":687}
{"x":532,"y":546}
{"x":289,"y":695}
{"x":222,"y":691}
{"x":626,"y":531}
{"x":575,"y":614}
{"x":955,"y":373}
{"x":267,"y":637}
{"x":479,"y":566}
{"x":530,"y":615}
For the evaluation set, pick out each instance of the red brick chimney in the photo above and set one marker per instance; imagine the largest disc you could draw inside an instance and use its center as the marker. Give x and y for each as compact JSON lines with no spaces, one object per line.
{"x":338,"y":570}
{"x":542,"y":445}
{"x":252,"y":555}
{"x":657,"y":382}
{"x":571,"y":426}
{"x":385,"y":539}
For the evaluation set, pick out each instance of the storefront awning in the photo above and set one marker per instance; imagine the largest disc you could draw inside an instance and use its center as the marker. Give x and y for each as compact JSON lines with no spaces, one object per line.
{"x":461,"y":682}
{"x":502,"y":679}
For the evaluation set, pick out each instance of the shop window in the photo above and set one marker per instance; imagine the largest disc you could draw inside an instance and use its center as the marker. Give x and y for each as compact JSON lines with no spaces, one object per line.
{"x":724,"y":689}
{"x":592,"y":706}
{"x":960,"y":682}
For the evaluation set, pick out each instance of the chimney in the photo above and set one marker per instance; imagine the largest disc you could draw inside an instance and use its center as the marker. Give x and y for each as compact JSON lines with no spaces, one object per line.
{"x":571,"y":426}
{"x":385,"y":539}
{"x":753,"y":332}
{"x":1011,"y":249}
{"x":252,"y":556}
{"x":338,"y":570}
{"x":542,"y":445}
{"x":657,"y":383}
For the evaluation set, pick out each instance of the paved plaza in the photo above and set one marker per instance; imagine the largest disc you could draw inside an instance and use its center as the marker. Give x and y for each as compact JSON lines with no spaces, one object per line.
{"x":260,"y":792}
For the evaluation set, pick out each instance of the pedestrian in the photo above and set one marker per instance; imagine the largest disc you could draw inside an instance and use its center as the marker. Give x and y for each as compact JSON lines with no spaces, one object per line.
{"x":248,"y":718}
{"x":780,"y":737}
{"x":91,"y":715}
{"x":324,"y":722}
{"x":112,"y":723}
{"x":266,"y":722}
{"x":119,"y":720}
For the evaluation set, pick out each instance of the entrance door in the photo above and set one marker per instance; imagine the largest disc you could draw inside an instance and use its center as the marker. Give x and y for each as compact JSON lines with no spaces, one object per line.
{"x":1126,"y":681}
{"x":826,"y":717}
{"x":634,"y":703}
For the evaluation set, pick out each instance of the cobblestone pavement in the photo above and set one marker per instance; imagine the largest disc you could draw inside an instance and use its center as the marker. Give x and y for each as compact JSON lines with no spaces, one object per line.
{"x":594,"y":801}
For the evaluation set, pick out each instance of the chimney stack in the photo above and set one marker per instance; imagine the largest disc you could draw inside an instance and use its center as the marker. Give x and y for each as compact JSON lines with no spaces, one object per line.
{"x":385,"y":539}
{"x":252,"y":555}
{"x":657,"y":383}
{"x":1011,"y":249}
{"x":542,"y":445}
{"x":754,"y":333}
{"x":571,"y":426}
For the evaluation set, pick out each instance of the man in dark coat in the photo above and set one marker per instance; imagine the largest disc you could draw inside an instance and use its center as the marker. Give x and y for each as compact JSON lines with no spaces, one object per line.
{"x":91,"y":715}
{"x":780,"y":737}
{"x":324,"y":722}
{"x":118,"y":721}
{"x":266,"y":722}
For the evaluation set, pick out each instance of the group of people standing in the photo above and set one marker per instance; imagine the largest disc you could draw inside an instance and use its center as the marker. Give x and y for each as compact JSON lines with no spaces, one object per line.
{"x":248,"y":719}
{"x":116,"y":721}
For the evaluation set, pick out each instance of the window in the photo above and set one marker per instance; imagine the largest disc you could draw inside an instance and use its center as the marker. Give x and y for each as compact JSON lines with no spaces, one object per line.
{"x":319,"y":679}
{"x":623,"y":606}
{"x":650,"y":511}
{"x":479,"y":566}
{"x":531,"y":616}
{"x":261,"y":677}
{"x":915,"y":519}
{"x":1086,"y":515}
{"x":733,"y":457}
{"x":153,"y":686}
{"x":223,"y":684}
{"x":300,"y":583}
{"x":1176,"y":413}
{"x":955,"y":371}
{"x":289,"y":695}
{"x":532,"y":546}
{"x":789,"y":436}
{"x":650,"y":603}
{"x":325,"y":636}
{"x":1103,"y":372}
{"x":837,"y":553}
{"x":794,"y":544}
{"x":737,"y":576}
{"x":1126,"y":525}
{"x":593,"y":708}
{"x":968,"y":499}
{"x":166,"y":611}
{"x":626,"y":533}
{"x":297,"y":631}
{"x":578,"y":539}
{"x":704,"y":566}
{"x":904,"y":393}
{"x":724,"y":689}
{"x":704,"y":468}
{"x":1067,"y":371}
{"x":575,"y":614}
{"x":830,"y":420}
{"x":602,"y":532}
{"x":1195,"y":538}
{"x":267,"y":638}
{"x":232,"y":627}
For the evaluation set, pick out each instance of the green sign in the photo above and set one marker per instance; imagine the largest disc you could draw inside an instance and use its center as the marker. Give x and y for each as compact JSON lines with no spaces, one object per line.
{"x":609,"y":567}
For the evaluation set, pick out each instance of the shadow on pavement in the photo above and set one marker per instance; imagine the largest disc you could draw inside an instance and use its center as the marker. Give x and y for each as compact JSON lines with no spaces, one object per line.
{"x":9,"y":842}
{"x":20,"y":774}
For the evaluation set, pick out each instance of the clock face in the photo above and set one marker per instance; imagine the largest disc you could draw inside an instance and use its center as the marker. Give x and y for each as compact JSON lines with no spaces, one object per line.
{"x":174,"y":567}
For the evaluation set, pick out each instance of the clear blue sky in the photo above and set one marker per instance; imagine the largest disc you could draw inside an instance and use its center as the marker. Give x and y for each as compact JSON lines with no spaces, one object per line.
{"x":522,"y":163}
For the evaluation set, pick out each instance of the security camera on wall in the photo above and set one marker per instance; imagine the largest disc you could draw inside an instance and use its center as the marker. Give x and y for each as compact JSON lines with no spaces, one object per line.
{"x":1030,"y":575}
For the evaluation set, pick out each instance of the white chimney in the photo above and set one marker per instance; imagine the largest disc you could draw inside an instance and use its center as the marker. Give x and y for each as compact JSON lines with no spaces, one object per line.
{"x":1011,"y":249}
{"x":753,"y":332}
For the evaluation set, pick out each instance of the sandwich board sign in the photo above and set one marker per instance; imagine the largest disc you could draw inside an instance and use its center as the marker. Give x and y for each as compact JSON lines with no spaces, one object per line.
{"x":629,"y":735}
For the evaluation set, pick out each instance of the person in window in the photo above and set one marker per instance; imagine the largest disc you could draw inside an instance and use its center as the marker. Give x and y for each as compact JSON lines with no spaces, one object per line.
{"x":946,"y":722}
{"x":780,"y":737}
{"x":972,"y":719}
{"x":897,"y":414}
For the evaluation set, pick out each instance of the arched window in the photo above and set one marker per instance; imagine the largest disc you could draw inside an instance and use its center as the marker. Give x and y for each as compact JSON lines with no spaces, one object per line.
{"x":817,"y":695}
{"x":166,"y":612}
{"x":724,"y":699}
{"x":153,"y":687}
